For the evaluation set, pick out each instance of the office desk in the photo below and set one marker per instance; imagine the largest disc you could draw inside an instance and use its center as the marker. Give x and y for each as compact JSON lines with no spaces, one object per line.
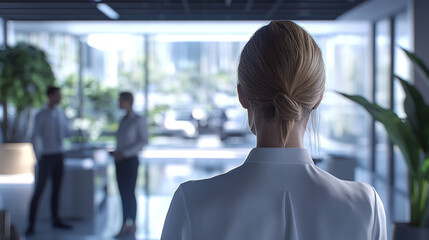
{"x":83,"y":190}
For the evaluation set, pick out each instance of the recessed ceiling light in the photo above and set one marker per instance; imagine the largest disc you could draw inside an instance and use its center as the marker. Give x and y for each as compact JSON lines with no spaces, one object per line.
{"x":108,"y":11}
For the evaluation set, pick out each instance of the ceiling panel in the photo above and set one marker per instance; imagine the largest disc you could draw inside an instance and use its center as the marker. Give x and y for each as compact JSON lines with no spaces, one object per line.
{"x":178,"y":9}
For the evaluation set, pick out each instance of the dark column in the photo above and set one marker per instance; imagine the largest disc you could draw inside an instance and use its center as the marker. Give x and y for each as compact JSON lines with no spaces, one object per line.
{"x":420,"y":32}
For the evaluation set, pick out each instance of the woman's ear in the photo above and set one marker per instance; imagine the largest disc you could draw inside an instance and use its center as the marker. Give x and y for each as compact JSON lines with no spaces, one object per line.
{"x":243,"y":100}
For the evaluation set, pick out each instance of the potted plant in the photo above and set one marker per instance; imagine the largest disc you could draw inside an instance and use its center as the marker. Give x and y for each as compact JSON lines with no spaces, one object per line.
{"x":411,"y":135}
{"x":24,"y":76}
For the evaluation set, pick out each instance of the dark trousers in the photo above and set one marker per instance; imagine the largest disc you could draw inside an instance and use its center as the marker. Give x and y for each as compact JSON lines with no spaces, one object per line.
{"x":49,"y":166}
{"x":126,"y":176}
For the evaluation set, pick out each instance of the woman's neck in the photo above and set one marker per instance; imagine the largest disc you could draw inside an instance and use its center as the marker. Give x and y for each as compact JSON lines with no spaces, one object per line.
{"x":268,"y":135}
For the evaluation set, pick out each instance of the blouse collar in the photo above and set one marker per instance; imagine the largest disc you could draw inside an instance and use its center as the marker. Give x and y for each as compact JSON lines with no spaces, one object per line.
{"x":280,"y":155}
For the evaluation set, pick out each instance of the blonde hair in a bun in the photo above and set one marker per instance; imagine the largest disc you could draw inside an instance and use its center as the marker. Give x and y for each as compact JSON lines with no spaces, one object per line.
{"x":282,"y":74}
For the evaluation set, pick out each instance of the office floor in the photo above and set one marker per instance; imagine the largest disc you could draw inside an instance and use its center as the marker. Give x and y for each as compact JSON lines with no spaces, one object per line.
{"x":107,"y":223}
{"x":151,"y":212}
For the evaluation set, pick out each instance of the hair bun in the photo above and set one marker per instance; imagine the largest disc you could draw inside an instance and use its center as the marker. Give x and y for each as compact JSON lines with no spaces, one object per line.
{"x":287,"y":108}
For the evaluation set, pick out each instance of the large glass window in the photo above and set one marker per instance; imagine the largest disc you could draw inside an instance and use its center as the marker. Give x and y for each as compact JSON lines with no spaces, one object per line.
{"x":343,"y":124}
{"x":112,"y":63}
{"x":402,"y":69}
{"x":196,"y":78}
{"x":382,"y":93}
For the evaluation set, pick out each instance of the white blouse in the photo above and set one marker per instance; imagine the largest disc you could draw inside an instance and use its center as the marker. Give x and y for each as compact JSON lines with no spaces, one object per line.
{"x":278,"y":193}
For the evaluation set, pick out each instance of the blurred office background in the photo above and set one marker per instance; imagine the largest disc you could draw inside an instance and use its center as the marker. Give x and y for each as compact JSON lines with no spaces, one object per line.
{"x":181,"y":67}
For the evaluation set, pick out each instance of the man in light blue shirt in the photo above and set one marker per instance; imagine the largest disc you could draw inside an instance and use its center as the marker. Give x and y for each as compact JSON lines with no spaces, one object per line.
{"x":50,"y":129}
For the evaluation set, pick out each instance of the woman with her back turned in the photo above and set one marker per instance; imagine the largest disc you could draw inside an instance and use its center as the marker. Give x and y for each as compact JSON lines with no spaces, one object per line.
{"x":278,"y":193}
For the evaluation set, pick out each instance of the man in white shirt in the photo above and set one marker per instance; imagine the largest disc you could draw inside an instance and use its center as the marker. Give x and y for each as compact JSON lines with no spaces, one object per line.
{"x":50,"y":129}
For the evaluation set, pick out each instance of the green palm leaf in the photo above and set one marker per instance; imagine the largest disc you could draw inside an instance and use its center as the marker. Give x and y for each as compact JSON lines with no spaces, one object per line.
{"x":417,"y":113}
{"x":411,"y":136}
{"x":399,"y":132}
{"x":418,"y":62}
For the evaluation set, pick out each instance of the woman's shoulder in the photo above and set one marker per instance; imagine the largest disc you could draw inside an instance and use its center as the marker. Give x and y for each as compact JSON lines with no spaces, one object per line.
{"x":352,"y":189}
{"x":362,"y":192}
{"x":219,"y":183}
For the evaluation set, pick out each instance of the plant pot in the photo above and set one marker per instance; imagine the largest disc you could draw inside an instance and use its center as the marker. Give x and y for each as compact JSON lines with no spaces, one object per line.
{"x":16,"y":158}
{"x":405,"y":231}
